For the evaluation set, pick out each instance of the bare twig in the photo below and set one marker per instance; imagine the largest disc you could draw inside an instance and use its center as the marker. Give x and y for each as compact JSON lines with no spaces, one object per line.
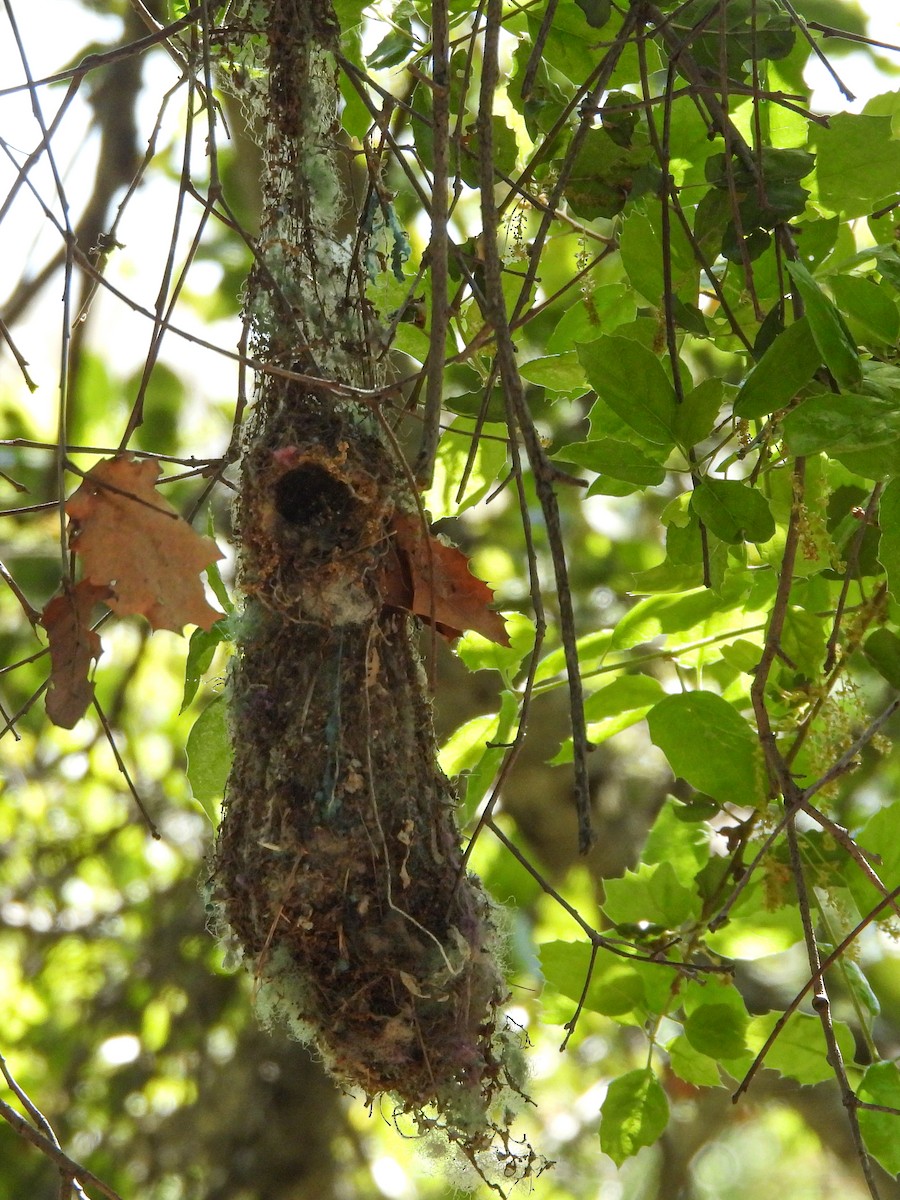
{"x":46,"y":1141}
{"x":888,"y":901}
{"x":123,"y":769}
{"x":437,"y":246}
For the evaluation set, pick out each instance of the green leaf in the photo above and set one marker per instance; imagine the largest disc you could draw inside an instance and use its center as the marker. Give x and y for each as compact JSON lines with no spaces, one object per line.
{"x":443,"y":499}
{"x":355,"y":117}
{"x":201,"y":650}
{"x":605,"y":174}
{"x":708,"y":743}
{"x":618,"y":460}
{"x":505,"y":152}
{"x":651,"y":893}
{"x":209,"y":755}
{"x":393,"y":49}
{"x":831,"y":334}
{"x":858,"y":162}
{"x":641,"y":247}
{"x":218,"y":587}
{"x":630,"y":991}
{"x":758,"y":925}
{"x":681,"y":843}
{"x":620,"y":117}
{"x":868,"y":303}
{"x":633,"y":382}
{"x":565,"y":965}
{"x":596,"y":12}
{"x":493,"y":746}
{"x":214,"y":576}
{"x":626,"y":692}
{"x":882,"y":649}
{"x":691,"y":1065}
{"x":787,"y":365}
{"x":605,"y":423}
{"x":464,"y":748}
{"x":591,"y":648}
{"x":881,"y":1085}
{"x":618,"y":706}
{"x":558,"y":372}
{"x":841,"y":423}
{"x":718,"y":1030}
{"x":722,"y":1018}
{"x":867,"y":1004}
{"x":569,"y":40}
{"x":635,"y":1113}
{"x":696,"y":417}
{"x":666,"y":614}
{"x":690,"y":144}
{"x":878,"y":462}
{"x":615,"y":988}
{"x":733,"y":511}
{"x":349,"y":13}
{"x":799,"y":1052}
{"x":481,"y":654}
{"x":803,"y":640}
{"x":619,"y":992}
{"x":608,"y":306}
{"x":782,"y":196}
{"x":889,"y":543}
{"x":880,"y":836}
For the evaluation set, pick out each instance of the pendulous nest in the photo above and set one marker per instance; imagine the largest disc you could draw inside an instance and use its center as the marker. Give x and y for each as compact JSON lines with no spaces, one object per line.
{"x":338,"y":866}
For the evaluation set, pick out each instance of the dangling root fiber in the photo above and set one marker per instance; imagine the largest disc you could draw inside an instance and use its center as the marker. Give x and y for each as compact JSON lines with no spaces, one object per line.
{"x":338,"y":865}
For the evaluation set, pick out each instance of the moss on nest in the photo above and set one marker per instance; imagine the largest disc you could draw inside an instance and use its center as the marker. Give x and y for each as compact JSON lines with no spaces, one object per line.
{"x":338,"y":865}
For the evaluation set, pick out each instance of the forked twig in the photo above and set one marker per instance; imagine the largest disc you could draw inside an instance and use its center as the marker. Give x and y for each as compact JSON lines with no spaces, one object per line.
{"x":40,"y":1133}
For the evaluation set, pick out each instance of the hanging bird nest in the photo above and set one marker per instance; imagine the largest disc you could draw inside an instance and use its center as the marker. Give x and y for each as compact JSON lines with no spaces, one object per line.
{"x":338,"y":864}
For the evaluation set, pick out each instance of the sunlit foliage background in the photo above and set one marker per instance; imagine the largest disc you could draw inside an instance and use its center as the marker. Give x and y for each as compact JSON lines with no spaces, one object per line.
{"x":120,"y":1014}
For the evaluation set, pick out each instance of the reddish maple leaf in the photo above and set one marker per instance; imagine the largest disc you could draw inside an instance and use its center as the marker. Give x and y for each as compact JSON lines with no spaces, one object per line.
{"x":434,"y":582}
{"x":73,"y":647}
{"x":133,"y":541}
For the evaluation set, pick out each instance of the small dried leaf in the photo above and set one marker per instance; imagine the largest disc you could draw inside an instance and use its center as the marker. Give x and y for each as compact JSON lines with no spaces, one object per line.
{"x":412,"y":985}
{"x":73,"y":647}
{"x":373,"y":665}
{"x":132,"y":540}
{"x":405,"y":837}
{"x":437,"y":585}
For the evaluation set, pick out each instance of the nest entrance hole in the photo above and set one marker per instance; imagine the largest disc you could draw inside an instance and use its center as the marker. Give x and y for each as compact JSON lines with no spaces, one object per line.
{"x":311,"y":497}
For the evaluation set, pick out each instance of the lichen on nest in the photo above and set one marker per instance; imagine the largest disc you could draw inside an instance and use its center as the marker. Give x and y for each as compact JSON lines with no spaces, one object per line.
{"x":338,"y":865}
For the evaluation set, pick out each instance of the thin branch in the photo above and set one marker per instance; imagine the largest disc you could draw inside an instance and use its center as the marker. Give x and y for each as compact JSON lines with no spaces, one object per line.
{"x":817,"y":50}
{"x":518,"y":415}
{"x":68,"y":1167}
{"x":838,"y":951}
{"x":437,"y":246}
{"x":830,"y":31}
{"x":822,"y":1006}
{"x":34,"y":617}
{"x":123,"y":769}
{"x":93,"y":62}
{"x":617,"y":946}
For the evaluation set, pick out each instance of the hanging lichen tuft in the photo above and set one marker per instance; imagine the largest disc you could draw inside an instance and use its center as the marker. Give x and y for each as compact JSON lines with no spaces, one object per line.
{"x":338,"y":867}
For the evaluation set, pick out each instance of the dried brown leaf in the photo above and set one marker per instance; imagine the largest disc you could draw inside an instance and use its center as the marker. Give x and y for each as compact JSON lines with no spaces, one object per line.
{"x":438,"y":586}
{"x":73,"y":647}
{"x":132,"y":540}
